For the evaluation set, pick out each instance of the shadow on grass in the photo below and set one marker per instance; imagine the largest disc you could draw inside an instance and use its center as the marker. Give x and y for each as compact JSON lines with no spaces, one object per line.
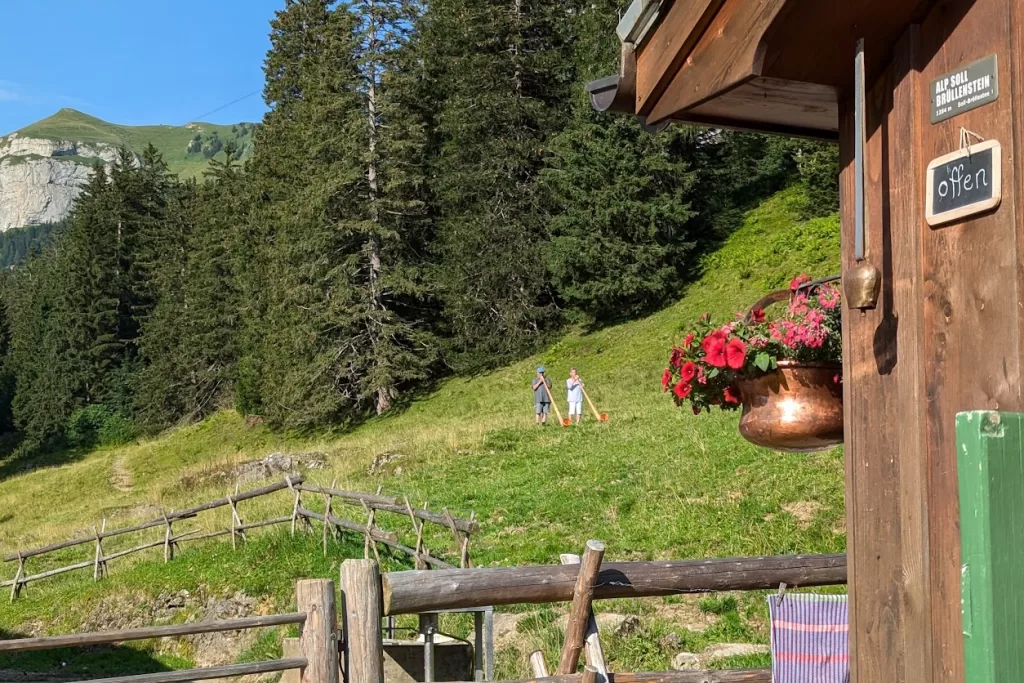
{"x":76,"y":664}
{"x":18,"y":455}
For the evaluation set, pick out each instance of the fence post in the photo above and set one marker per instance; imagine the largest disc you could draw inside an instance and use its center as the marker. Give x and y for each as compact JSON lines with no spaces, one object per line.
{"x":361,"y":595}
{"x":98,"y":565}
{"x":594,"y":651}
{"x":318,"y":638}
{"x":579,"y":612}
{"x":16,"y":587}
{"x":295,"y":507}
{"x":991,"y":476}
{"x":168,"y":538}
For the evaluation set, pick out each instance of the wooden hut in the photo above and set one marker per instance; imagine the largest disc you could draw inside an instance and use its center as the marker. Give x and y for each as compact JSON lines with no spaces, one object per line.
{"x":939,"y":127}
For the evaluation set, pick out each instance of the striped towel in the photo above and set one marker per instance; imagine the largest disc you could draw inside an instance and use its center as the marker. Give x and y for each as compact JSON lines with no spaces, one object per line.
{"x":810,"y":638}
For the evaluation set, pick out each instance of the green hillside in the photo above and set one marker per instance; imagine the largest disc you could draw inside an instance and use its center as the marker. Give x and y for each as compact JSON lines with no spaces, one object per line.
{"x":186,"y":149}
{"x":655,"y":482}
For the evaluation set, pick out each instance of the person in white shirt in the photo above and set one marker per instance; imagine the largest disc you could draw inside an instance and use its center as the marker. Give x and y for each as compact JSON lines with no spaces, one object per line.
{"x":574,"y":385}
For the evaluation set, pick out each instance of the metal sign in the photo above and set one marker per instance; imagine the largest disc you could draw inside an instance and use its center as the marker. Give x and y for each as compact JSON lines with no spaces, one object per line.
{"x":964,"y":183}
{"x":965,"y":89}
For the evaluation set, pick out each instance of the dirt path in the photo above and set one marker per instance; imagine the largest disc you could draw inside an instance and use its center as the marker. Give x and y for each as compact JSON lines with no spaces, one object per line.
{"x":120,"y":476}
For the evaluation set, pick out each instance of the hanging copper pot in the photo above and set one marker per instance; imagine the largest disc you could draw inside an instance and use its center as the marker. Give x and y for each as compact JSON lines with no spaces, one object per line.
{"x":797,"y":408}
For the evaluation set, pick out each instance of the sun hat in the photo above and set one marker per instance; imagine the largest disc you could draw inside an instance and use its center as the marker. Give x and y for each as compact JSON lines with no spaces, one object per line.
{"x":540,"y":368}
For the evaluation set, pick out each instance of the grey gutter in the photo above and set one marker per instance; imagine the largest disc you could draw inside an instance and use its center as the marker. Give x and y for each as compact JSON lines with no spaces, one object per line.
{"x":638,"y":20}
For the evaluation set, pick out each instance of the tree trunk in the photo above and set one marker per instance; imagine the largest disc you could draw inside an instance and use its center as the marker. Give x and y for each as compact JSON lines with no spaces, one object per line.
{"x":384,"y":391}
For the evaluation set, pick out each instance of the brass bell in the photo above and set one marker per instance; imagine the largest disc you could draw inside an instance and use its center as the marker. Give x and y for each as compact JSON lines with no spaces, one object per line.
{"x":861,"y":286}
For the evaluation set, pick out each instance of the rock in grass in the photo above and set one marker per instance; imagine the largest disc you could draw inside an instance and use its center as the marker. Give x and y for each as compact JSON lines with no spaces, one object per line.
{"x":686,"y":661}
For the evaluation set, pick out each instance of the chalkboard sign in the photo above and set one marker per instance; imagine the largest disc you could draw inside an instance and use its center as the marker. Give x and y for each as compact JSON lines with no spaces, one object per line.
{"x":964,"y":183}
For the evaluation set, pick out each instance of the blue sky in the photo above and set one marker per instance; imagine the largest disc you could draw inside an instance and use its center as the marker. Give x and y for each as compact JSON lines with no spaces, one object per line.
{"x":133,"y":62}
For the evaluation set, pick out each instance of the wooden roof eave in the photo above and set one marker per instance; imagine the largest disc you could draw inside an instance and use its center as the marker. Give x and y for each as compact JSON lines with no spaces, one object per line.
{"x":728,"y":52}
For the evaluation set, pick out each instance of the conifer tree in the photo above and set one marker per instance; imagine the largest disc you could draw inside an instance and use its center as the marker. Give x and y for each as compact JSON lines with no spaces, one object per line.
{"x":621,"y":198}
{"x":337,"y":171}
{"x":501,"y":69}
{"x":46,"y":349}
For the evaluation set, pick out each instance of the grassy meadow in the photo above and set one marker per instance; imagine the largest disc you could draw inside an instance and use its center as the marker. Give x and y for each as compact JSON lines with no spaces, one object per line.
{"x":654,"y":482}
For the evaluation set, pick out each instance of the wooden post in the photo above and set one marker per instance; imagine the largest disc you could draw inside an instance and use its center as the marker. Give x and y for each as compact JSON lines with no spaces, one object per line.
{"x":16,"y":586}
{"x":540,"y":668}
{"x":236,"y":521}
{"x":576,"y":629}
{"x":466,"y":562}
{"x":98,"y":564}
{"x":168,"y":538}
{"x":295,"y":507}
{"x":589,"y":675}
{"x":418,"y":528}
{"x":594,"y":651}
{"x":364,"y":652}
{"x":327,"y":520}
{"x":368,"y":537}
{"x":318,"y":637}
{"x":991,"y":473}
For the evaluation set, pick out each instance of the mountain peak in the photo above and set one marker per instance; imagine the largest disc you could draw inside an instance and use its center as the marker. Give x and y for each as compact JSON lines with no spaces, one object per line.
{"x":50,"y":160}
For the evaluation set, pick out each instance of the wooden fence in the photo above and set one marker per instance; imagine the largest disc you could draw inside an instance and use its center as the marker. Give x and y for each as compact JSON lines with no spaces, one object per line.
{"x":373,"y":534}
{"x":318,"y":642}
{"x":350,"y":644}
{"x":369,"y":597}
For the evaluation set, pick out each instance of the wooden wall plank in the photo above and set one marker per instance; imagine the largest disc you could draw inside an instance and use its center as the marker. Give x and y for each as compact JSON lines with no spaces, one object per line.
{"x":886,"y":495}
{"x":904,"y":256}
{"x":871,"y":388}
{"x":972,"y":344}
{"x":667,"y":49}
{"x":727,"y":55}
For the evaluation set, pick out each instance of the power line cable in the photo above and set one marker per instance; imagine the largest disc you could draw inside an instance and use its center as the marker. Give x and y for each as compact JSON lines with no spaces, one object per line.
{"x":224,"y":106}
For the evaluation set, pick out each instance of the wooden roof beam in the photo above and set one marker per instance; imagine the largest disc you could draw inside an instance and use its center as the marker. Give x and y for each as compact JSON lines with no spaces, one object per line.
{"x":729,"y":53}
{"x":669,"y":46}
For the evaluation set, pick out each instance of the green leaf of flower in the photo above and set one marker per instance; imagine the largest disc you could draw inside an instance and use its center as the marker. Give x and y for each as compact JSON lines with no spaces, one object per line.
{"x":763,"y":361}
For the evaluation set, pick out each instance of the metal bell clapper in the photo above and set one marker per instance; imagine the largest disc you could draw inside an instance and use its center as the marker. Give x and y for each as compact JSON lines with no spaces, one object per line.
{"x":862,"y":284}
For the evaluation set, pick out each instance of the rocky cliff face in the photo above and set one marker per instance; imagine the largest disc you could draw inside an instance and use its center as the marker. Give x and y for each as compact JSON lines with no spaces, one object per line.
{"x":40,"y":179}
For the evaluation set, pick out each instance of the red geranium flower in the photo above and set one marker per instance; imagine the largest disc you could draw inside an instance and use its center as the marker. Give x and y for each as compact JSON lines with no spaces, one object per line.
{"x":732,"y":396}
{"x":757,"y":315}
{"x":666,"y":379}
{"x":682,"y":390}
{"x":799,"y":280}
{"x":714,"y":349}
{"x":688,"y":341}
{"x":688,"y":371}
{"x":736,"y":354}
{"x":676,"y":358}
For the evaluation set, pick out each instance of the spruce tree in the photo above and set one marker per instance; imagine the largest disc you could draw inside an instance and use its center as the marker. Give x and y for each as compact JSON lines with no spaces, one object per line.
{"x":622,"y":234}
{"x":336,"y":173}
{"x":46,"y":347}
{"x":389,"y":220}
{"x":501,"y":71}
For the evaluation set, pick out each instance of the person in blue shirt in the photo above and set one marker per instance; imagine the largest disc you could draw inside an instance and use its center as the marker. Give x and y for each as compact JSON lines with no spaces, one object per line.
{"x":541,"y":396}
{"x":574,"y":386}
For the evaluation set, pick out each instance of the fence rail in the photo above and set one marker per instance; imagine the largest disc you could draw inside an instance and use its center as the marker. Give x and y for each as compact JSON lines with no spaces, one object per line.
{"x":323,"y":649}
{"x":728,"y":676}
{"x":580,"y":582}
{"x":371,"y":503}
{"x":319,"y":649}
{"x":125,"y":635}
{"x":414,"y":592}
